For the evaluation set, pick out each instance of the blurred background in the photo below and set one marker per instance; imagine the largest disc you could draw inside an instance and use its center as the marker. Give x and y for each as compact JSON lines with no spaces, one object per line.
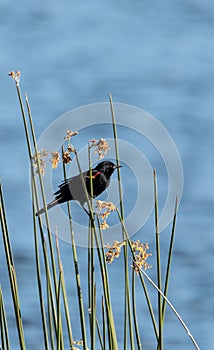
{"x":158,"y":56}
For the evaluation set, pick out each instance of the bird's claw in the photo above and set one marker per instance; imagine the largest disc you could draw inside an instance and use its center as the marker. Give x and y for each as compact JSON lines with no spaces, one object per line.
{"x":90,"y":214}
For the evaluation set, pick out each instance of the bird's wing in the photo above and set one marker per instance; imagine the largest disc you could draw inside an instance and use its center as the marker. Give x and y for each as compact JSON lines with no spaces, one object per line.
{"x":70,"y":180}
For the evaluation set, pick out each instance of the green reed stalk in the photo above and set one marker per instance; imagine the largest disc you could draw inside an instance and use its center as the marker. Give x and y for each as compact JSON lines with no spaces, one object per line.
{"x":77,"y":273}
{"x":158,"y":256}
{"x":91,"y":284}
{"x":137,"y":334}
{"x":91,"y":275}
{"x":60,"y":345}
{"x":150,"y":308}
{"x":94,"y":310}
{"x":35,"y":191}
{"x":114,"y":125}
{"x":169,"y":257}
{"x":11,"y":272}
{"x":79,"y":289}
{"x":90,"y":251}
{"x":52,"y":313}
{"x":27,"y":134}
{"x":170,"y":305}
{"x":38,"y":269}
{"x":127,"y":299}
{"x":99,"y":334}
{"x":110,"y":322}
{"x":106,"y":289}
{"x":24,"y":119}
{"x":64,"y":293}
{"x":5,"y":342}
{"x":53,"y":265}
{"x":50,"y":297}
{"x":50,"y":317}
{"x":141,"y":278}
{"x":51,"y":301}
{"x":104,"y":324}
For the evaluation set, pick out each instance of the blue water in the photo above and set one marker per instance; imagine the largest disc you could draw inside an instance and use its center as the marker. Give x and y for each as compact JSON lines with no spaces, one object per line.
{"x":155,"y":55}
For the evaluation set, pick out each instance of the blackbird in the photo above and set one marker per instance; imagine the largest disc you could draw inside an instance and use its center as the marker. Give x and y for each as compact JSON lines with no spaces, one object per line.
{"x":72,"y":188}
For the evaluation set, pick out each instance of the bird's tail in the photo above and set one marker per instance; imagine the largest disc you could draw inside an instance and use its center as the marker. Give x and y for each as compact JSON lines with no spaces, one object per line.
{"x":50,"y":205}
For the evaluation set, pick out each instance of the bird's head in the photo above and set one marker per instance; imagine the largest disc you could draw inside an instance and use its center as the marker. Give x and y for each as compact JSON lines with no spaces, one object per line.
{"x":107,"y":167}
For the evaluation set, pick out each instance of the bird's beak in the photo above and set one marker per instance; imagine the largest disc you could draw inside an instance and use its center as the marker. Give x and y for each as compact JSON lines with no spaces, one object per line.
{"x":117,"y":166}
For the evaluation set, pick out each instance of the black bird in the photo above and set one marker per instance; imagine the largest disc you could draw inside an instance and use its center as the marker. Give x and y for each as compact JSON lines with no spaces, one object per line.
{"x":72,"y":188}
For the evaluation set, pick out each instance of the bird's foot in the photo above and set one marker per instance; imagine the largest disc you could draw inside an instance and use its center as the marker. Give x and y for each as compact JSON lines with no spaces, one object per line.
{"x":90,"y":214}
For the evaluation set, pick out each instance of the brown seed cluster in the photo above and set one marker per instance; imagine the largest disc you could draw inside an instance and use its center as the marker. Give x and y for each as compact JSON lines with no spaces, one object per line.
{"x":41,"y":155}
{"x":113,"y":251}
{"x":66,"y":157}
{"x":108,"y":207}
{"x":16,"y":76}
{"x":139,"y":250}
{"x":141,"y":255}
{"x":101,"y":147}
{"x":79,"y":343}
{"x":70,"y":134}
{"x":55,"y":158}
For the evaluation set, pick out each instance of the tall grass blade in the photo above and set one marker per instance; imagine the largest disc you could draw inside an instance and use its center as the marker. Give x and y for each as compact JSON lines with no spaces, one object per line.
{"x":64,"y":293}
{"x":150,"y":308}
{"x":170,"y":305}
{"x":91,"y":272}
{"x":50,"y":317}
{"x":53,"y":265}
{"x":112,"y":337}
{"x":27,"y":135}
{"x":38,"y":268}
{"x":169,"y":257}
{"x":137,"y":334}
{"x":158,"y":258}
{"x":11,"y":272}
{"x":99,"y":334}
{"x":104,"y":324}
{"x":76,"y":267}
{"x":127,"y":299}
{"x":5,"y":342}
{"x":60,"y":344}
